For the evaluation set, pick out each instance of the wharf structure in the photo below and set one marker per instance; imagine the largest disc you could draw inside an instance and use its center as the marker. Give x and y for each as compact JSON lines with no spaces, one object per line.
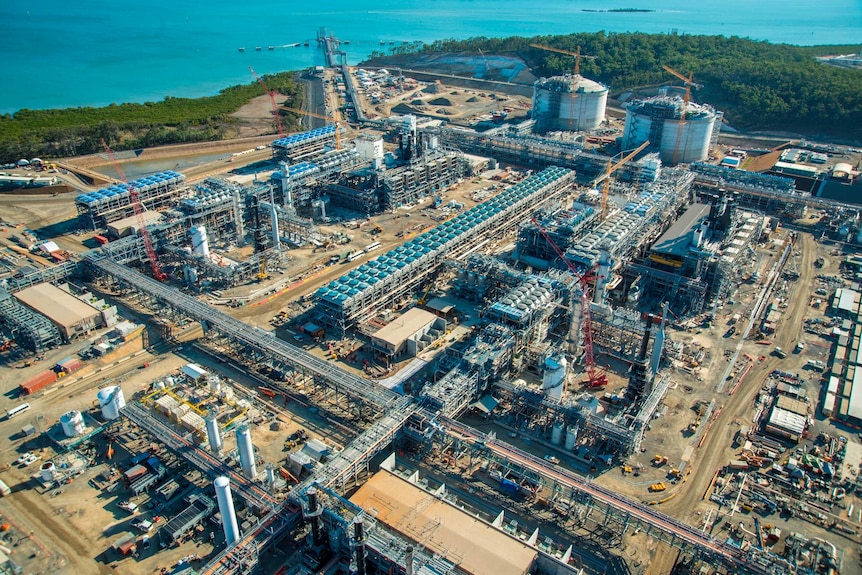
{"x":384,"y":281}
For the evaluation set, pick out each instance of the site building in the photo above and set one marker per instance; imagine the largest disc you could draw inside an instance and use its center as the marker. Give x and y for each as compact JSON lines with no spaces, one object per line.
{"x":408,"y":334}
{"x":72,"y":316}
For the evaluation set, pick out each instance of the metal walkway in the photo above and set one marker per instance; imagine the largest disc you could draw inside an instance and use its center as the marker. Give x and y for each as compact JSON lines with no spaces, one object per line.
{"x":262,"y":341}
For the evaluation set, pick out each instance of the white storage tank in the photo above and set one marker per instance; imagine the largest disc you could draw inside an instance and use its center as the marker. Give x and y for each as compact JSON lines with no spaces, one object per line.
{"x":659,"y":120}
{"x":111,"y":400}
{"x":571,"y":437}
{"x":569,"y":102}
{"x":72,"y":423}
{"x":48,"y":472}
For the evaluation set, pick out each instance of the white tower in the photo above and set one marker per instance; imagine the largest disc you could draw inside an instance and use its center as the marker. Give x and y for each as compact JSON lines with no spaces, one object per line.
{"x":213,"y":432}
{"x":225,"y":508}
{"x":200,"y":243}
{"x":273,"y":214}
{"x":246,"y":451}
{"x":554,"y":377}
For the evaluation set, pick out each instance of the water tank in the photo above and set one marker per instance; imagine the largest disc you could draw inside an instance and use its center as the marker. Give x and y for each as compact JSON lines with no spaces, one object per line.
{"x":72,"y":423}
{"x":557,"y":433}
{"x":569,"y":102}
{"x":111,"y":400}
{"x":48,"y":472}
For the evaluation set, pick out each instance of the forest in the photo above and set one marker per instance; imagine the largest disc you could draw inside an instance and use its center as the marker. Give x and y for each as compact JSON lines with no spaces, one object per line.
{"x":758,"y":85}
{"x":77,"y":131}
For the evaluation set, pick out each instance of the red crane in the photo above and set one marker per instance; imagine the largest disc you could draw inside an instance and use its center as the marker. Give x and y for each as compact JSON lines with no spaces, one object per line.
{"x":139,"y":213}
{"x":271,"y":99}
{"x":597,"y":377}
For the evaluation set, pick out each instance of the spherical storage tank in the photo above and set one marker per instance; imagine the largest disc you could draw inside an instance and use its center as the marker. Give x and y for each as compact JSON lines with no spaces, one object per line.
{"x":72,"y":423}
{"x":111,"y":400}
{"x":569,"y":103}
{"x":679,"y":141}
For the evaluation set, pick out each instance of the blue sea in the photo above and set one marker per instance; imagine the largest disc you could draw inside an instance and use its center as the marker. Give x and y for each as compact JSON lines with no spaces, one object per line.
{"x":58,"y":53}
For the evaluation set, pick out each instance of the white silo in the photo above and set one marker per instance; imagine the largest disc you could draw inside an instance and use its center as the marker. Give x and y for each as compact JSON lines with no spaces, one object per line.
{"x":200,"y":243}
{"x":226,"y":510}
{"x":111,"y":400}
{"x":554,"y":377}
{"x":48,"y":472}
{"x":72,"y":423}
{"x":660,"y":121}
{"x":557,"y":433}
{"x":569,"y":102}
{"x":246,"y":451}
{"x":213,"y":432}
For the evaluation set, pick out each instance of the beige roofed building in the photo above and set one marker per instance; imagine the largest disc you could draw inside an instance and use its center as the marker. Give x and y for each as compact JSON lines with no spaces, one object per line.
{"x":410,"y":333}
{"x":72,"y":316}
{"x":473,"y":545}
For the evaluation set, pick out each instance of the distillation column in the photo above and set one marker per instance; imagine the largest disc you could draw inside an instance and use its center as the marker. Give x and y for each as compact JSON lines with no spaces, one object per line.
{"x":246,"y":451}
{"x":225,"y":508}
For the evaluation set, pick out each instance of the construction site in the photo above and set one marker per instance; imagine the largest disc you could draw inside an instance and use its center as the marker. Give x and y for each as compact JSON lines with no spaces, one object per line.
{"x":404,"y":345}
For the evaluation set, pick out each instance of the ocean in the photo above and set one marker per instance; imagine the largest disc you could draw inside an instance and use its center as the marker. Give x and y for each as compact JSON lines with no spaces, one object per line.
{"x":58,"y":53}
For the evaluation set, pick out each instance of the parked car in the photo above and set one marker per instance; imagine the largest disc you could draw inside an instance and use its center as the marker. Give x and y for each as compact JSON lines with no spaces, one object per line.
{"x":20,"y":460}
{"x":142,"y":525}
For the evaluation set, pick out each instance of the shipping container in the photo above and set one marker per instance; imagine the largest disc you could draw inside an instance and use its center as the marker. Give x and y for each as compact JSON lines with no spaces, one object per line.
{"x":101,"y":240}
{"x":4,"y":489}
{"x":38,"y":381}
{"x":69,"y":365}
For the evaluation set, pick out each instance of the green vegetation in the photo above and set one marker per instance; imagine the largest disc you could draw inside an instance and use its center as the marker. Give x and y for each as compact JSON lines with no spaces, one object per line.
{"x":759,"y":86}
{"x":75,"y":131}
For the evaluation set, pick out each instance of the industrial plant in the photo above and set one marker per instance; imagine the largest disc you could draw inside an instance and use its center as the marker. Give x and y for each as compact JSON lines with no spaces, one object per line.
{"x":493,"y":349}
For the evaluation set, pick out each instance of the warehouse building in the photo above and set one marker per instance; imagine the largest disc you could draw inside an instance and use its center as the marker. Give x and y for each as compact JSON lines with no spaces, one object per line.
{"x":409,"y":334}
{"x":72,"y":316}
{"x":443,"y":529}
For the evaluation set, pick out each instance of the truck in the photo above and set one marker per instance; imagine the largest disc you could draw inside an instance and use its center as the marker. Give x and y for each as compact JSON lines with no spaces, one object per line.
{"x":779,"y":352}
{"x":4,"y":489}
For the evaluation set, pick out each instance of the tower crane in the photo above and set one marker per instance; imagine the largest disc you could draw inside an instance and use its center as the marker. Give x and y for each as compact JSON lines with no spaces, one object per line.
{"x":689,"y":83}
{"x":272,"y":100}
{"x":322,"y":117}
{"x":577,"y":72}
{"x":596,"y":377}
{"x":158,"y":274}
{"x":606,"y":177}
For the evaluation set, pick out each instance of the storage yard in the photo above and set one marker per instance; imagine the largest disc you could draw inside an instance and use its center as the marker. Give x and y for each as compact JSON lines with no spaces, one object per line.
{"x":405,"y":344}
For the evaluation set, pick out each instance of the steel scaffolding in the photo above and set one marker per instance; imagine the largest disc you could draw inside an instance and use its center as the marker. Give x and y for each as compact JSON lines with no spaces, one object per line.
{"x":30,"y":329}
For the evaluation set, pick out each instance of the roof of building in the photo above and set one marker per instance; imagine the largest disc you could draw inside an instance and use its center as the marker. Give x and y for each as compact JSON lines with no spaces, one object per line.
{"x":401,"y":328}
{"x":120,"y":226}
{"x":59,"y":306}
{"x":442,"y":528}
{"x":787,"y":420}
{"x":848,"y":299}
{"x":440,"y":304}
{"x":793,"y":405}
{"x":678,"y":238}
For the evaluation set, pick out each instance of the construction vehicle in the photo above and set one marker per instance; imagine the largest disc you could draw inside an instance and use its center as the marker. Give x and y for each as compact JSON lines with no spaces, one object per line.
{"x":626,"y":469}
{"x":261,"y":274}
{"x":577,"y":72}
{"x":660,"y":486}
{"x":322,"y":117}
{"x":688,"y":85}
{"x":271,"y":94}
{"x":659,"y":460}
{"x":674,"y":474}
{"x":158,"y":274}
{"x":606,"y":177}
{"x":596,"y":378}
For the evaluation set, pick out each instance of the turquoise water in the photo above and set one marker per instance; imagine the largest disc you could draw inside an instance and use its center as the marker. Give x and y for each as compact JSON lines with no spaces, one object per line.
{"x":58,"y":53}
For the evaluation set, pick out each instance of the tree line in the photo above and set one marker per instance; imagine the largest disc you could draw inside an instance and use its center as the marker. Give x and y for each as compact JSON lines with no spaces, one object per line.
{"x":758,"y":85}
{"x":77,"y":131}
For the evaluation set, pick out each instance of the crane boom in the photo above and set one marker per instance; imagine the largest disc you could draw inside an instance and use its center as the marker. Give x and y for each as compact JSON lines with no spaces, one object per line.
{"x":135,"y":200}
{"x":606,"y":188}
{"x":271,"y":94}
{"x":596,"y":377}
{"x":577,"y":54}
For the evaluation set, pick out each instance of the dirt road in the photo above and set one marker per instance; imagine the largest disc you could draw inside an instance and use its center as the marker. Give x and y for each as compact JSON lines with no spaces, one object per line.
{"x":716,"y":450}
